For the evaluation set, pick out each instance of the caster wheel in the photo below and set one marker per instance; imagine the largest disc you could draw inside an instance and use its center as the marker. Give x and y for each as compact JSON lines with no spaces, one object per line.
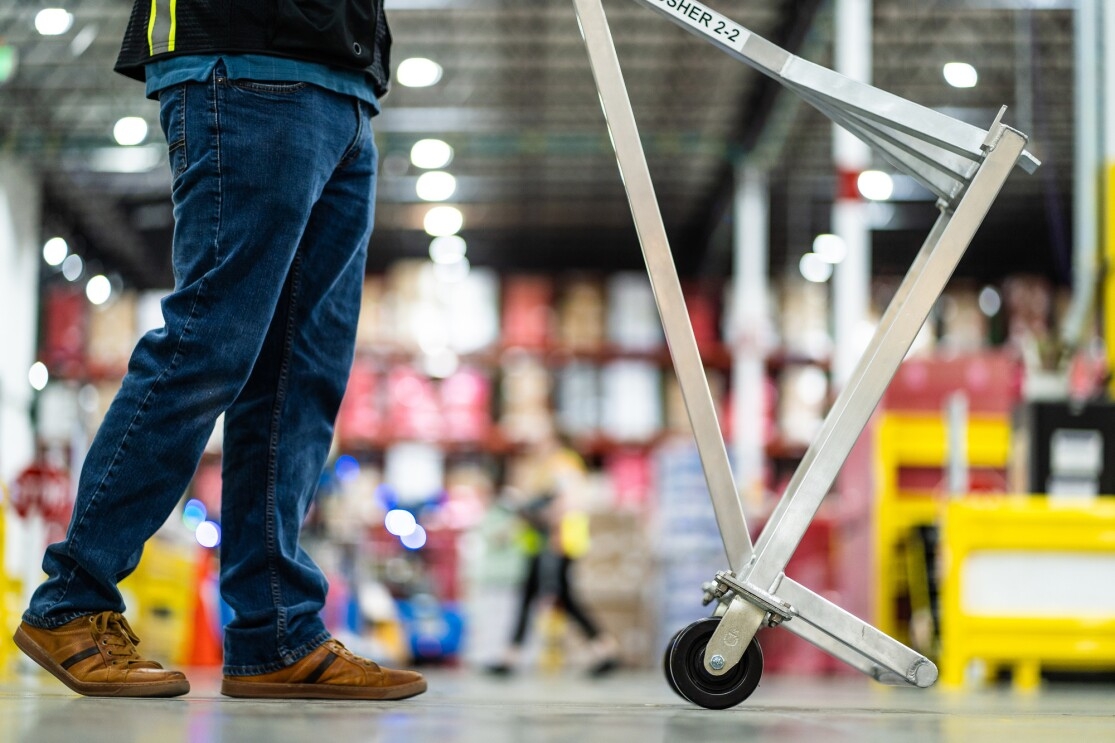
{"x":686,"y":669}
{"x":666,"y":664}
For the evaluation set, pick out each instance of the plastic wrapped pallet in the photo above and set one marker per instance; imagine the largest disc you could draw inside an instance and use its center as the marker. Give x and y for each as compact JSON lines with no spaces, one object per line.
{"x":581,"y":315}
{"x":413,"y":405}
{"x":112,"y":335}
{"x":65,"y":329}
{"x":687,"y":547}
{"x":414,"y":471}
{"x":527,"y":311}
{"x":578,"y":399}
{"x":525,"y":401}
{"x":466,"y":400}
{"x":804,"y":316}
{"x":470,"y":309}
{"x":632,"y":318}
{"x":802,"y":401}
{"x":370,"y":330}
{"x":361,"y":417}
{"x":632,"y":400}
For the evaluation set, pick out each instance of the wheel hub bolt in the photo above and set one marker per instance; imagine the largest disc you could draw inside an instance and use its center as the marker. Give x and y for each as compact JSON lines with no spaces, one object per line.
{"x":716,"y":662}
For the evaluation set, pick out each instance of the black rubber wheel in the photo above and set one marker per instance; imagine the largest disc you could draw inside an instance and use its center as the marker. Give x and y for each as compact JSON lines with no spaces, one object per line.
{"x":666,"y":664}
{"x":686,"y":666}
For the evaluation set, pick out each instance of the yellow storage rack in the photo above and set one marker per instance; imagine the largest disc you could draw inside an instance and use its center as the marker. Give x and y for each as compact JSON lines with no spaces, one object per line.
{"x":1025,"y":644}
{"x":916,"y":439}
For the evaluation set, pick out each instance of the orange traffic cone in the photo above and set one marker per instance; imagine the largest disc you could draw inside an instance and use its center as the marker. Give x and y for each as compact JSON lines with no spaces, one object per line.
{"x":205,"y":641}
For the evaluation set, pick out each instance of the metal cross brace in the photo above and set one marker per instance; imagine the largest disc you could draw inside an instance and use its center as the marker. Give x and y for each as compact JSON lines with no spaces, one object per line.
{"x":965,"y":167}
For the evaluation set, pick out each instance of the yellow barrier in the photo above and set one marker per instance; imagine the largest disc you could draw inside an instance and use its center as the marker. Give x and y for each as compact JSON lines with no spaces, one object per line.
{"x":917,"y":440}
{"x":10,"y":596}
{"x":161,"y":596}
{"x":1031,"y":526}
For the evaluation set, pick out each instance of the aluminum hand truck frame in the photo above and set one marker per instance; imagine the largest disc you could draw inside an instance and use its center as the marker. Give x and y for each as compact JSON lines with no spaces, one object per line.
{"x":716,"y":662}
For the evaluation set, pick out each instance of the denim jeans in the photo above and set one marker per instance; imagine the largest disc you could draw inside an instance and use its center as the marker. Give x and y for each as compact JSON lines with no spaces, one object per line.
{"x":273,"y":191}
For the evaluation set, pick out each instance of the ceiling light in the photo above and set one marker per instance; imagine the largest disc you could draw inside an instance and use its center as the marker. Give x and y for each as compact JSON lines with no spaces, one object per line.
{"x":443,"y":220}
{"x":436,"y":185}
{"x":447,"y":249}
{"x":814,"y":268}
{"x":38,"y":376}
{"x":98,"y":289}
{"x":73,"y":267}
{"x":53,"y":21}
{"x":418,"y":72}
{"x":400,"y":522}
{"x":55,"y":251}
{"x":830,"y":248}
{"x":431,"y":154}
{"x":875,"y":185}
{"x":130,"y":130}
{"x":208,"y":534}
{"x":416,"y":540}
{"x":960,"y":75}
{"x":990,"y":301}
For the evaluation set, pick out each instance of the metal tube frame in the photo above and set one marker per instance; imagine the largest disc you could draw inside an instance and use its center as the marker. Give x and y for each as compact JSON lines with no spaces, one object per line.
{"x":964,"y":166}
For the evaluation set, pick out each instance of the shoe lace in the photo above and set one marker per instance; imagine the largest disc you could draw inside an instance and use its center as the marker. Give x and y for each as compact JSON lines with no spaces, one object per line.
{"x":337,"y":647}
{"x":114,"y":632}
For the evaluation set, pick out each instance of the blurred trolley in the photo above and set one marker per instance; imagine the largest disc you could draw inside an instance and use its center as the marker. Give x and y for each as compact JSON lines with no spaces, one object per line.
{"x":716,"y":662}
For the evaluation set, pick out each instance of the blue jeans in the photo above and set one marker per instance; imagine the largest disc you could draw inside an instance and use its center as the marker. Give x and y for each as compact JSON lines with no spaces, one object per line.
{"x":273,"y":190}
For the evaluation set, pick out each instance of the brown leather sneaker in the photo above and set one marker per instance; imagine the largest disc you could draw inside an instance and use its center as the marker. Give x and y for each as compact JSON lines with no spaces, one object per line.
{"x":96,"y":655}
{"x":332,"y":671}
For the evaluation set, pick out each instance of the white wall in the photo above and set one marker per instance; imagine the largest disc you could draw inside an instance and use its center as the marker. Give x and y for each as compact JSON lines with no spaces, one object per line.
{"x":20,"y":206}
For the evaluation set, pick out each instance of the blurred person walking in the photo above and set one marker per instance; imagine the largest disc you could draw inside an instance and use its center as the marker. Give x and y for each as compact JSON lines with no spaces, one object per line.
{"x":555,"y":535}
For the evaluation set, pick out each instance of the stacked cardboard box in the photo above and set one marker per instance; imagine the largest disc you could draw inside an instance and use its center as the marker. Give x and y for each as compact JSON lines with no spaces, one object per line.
{"x":527,"y":312}
{"x":614,"y":579}
{"x":112,"y":335}
{"x":581,"y":323}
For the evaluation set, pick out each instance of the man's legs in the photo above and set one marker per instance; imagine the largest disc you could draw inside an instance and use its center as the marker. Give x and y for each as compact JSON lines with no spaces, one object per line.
{"x":236,"y":232}
{"x":277,"y":437}
{"x":249,"y":163}
{"x":279,"y":430}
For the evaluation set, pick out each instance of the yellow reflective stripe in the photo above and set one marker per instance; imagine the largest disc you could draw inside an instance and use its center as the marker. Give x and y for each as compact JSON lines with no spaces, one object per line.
{"x":161,"y":27}
{"x":151,"y":28}
{"x":173,"y":25}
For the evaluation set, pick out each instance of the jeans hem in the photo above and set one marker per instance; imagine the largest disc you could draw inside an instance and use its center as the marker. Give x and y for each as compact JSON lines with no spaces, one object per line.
{"x":41,"y":622}
{"x":289,"y":658}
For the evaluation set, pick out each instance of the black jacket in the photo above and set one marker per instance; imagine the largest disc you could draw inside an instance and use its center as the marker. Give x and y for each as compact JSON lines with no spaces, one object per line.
{"x":345,"y":33}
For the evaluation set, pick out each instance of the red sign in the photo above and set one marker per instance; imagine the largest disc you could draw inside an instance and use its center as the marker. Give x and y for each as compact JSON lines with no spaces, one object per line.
{"x":44,"y":490}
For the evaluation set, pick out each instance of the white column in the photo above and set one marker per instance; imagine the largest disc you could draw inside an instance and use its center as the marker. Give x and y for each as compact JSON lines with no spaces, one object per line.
{"x":1088,"y":168}
{"x":851,"y":288}
{"x":20,"y":206}
{"x":750,"y":332}
{"x":1107,"y":209}
{"x":852,"y":278}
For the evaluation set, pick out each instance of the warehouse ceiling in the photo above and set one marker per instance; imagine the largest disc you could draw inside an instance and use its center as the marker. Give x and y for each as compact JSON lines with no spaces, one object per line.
{"x":537,"y":181}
